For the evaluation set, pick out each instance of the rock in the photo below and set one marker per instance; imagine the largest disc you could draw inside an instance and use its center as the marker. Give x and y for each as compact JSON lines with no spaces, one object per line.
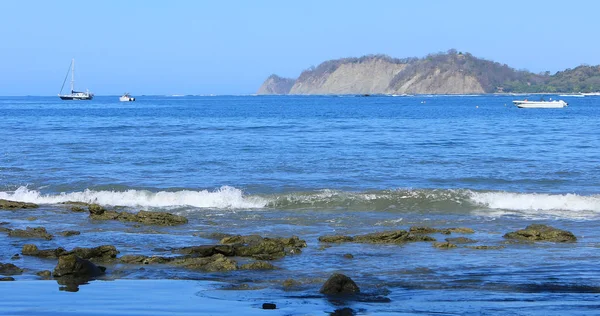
{"x":258,"y":265}
{"x":46,"y":274}
{"x":291,"y":283}
{"x":139,"y":259}
{"x":11,"y":205}
{"x":77,"y":209}
{"x":207,"y":250}
{"x":72,"y":265}
{"x":336,"y":239}
{"x":461,"y":230}
{"x":148,"y":218}
{"x":444,"y":245}
{"x":31,"y":218}
{"x":214,"y":263}
{"x":100,"y":253}
{"x":461,"y":240}
{"x":391,"y":237}
{"x":5,"y":230}
{"x":276,"y":85}
{"x":9,"y":269}
{"x":7,"y":279}
{"x":15,"y":257}
{"x":346,"y":311}
{"x":269,"y":306}
{"x":267,"y":249}
{"x":485,"y":247}
{"x":348,"y":256}
{"x":68,"y":233}
{"x":537,"y":232}
{"x":29,"y":232}
{"x":339,"y":284}
{"x":445,"y":231}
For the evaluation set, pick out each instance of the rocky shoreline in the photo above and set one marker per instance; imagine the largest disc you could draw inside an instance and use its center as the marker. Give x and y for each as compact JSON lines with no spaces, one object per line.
{"x":230,"y":252}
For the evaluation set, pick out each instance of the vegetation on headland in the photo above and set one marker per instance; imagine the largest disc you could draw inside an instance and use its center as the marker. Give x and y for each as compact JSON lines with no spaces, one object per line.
{"x":452,"y":70}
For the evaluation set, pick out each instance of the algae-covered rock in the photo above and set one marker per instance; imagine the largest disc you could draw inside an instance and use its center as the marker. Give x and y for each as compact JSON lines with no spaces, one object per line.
{"x":538,"y":232}
{"x":214,"y":263}
{"x":97,"y":212}
{"x":335,"y":238}
{"x":391,"y":237}
{"x":100,"y":253}
{"x":30,"y":232}
{"x":339,"y":284}
{"x":483,"y":247}
{"x":444,"y":245}
{"x":72,"y":265}
{"x":32,"y":250}
{"x":258,"y":265}
{"x":267,"y":249}
{"x":461,"y":240}
{"x":9,"y":269}
{"x":45,"y":274}
{"x":68,"y":233}
{"x":12,"y":205}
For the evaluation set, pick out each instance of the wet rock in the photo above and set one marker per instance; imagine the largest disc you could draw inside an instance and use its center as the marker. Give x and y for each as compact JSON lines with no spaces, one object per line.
{"x":11,"y":205}
{"x":445,"y":231}
{"x":391,"y":237}
{"x":5,"y":230}
{"x":538,"y":232}
{"x":46,"y":274}
{"x":461,"y":240}
{"x":269,"y":306}
{"x":267,"y":249}
{"x":100,"y":253}
{"x":207,"y":250}
{"x":148,"y":218}
{"x":336,"y":238}
{"x":258,"y":265}
{"x":485,"y":247}
{"x":31,"y":218}
{"x":72,"y":265}
{"x":291,"y":283}
{"x":339,"y":284}
{"x":77,"y":209}
{"x":444,"y":245}
{"x":461,"y":230}
{"x":139,"y":259}
{"x":9,"y":269}
{"x":214,"y":263}
{"x":346,"y":311}
{"x":7,"y":279}
{"x":15,"y":257}
{"x":68,"y":233}
{"x":348,"y":256}
{"x":31,"y":232}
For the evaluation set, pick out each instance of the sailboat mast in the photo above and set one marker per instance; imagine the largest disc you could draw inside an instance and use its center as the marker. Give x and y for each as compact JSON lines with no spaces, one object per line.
{"x":72,"y":75}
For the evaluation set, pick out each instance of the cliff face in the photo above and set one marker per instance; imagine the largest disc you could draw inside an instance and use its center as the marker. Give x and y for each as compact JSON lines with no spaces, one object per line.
{"x":444,"y":73}
{"x":360,"y":77}
{"x":276,"y":85}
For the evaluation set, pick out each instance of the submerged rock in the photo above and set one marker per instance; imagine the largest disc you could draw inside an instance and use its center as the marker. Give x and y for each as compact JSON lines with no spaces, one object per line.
{"x":461,"y":240}
{"x":444,"y":245}
{"x":7,"y":279}
{"x":538,"y":232}
{"x":339,"y":284}
{"x":485,"y":247}
{"x":445,"y":231}
{"x":214,"y":263}
{"x":97,"y":212}
{"x":258,"y":265}
{"x":269,"y":306}
{"x":11,"y":205}
{"x":9,"y":269}
{"x":30,"y":232}
{"x":46,"y":274}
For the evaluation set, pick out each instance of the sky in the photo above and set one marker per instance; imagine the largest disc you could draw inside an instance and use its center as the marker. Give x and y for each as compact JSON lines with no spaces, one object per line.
{"x":231,"y":47}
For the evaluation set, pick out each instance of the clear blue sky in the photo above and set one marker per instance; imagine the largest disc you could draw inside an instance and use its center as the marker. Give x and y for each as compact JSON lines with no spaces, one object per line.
{"x":230,"y":47}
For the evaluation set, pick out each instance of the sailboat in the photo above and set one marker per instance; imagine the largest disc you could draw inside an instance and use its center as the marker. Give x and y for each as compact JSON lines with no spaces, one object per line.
{"x":74,"y":95}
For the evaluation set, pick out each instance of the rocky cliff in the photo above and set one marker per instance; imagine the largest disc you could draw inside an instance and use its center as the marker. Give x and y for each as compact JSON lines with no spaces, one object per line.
{"x":443,"y":73}
{"x":276,"y":85}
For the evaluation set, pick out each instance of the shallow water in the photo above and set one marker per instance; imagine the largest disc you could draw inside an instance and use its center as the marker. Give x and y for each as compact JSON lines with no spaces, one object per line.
{"x":312,"y":166}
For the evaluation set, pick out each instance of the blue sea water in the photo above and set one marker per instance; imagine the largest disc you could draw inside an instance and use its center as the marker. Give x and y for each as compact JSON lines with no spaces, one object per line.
{"x":317,"y":165}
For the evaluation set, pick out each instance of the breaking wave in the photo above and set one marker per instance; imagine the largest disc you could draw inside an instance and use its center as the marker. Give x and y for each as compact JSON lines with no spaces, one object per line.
{"x":492,"y":203}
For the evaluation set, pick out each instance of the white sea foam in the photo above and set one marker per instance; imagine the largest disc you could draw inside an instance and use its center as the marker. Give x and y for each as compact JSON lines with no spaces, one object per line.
{"x":539,"y":204}
{"x":224,"y":197}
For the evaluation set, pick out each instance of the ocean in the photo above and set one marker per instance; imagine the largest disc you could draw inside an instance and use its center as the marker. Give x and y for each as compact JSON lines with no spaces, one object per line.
{"x":309,"y":166}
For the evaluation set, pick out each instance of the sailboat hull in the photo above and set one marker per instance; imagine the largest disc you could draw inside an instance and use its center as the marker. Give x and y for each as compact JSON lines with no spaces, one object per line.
{"x":69,"y":97}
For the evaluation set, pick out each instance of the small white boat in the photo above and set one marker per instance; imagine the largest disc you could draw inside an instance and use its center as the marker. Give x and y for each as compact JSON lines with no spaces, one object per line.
{"x":126,"y":98}
{"x":541,"y":104}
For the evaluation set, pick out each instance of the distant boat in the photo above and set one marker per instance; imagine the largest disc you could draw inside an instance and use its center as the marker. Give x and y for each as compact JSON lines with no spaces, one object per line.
{"x":126,"y":97}
{"x":591,"y":94}
{"x":579,"y":95}
{"x":74,"y":95}
{"x":541,"y":104}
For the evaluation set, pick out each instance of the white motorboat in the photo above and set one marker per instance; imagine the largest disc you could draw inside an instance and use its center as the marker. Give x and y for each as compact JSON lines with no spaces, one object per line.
{"x":126,"y":98}
{"x":74,"y":95}
{"x":541,"y":104}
